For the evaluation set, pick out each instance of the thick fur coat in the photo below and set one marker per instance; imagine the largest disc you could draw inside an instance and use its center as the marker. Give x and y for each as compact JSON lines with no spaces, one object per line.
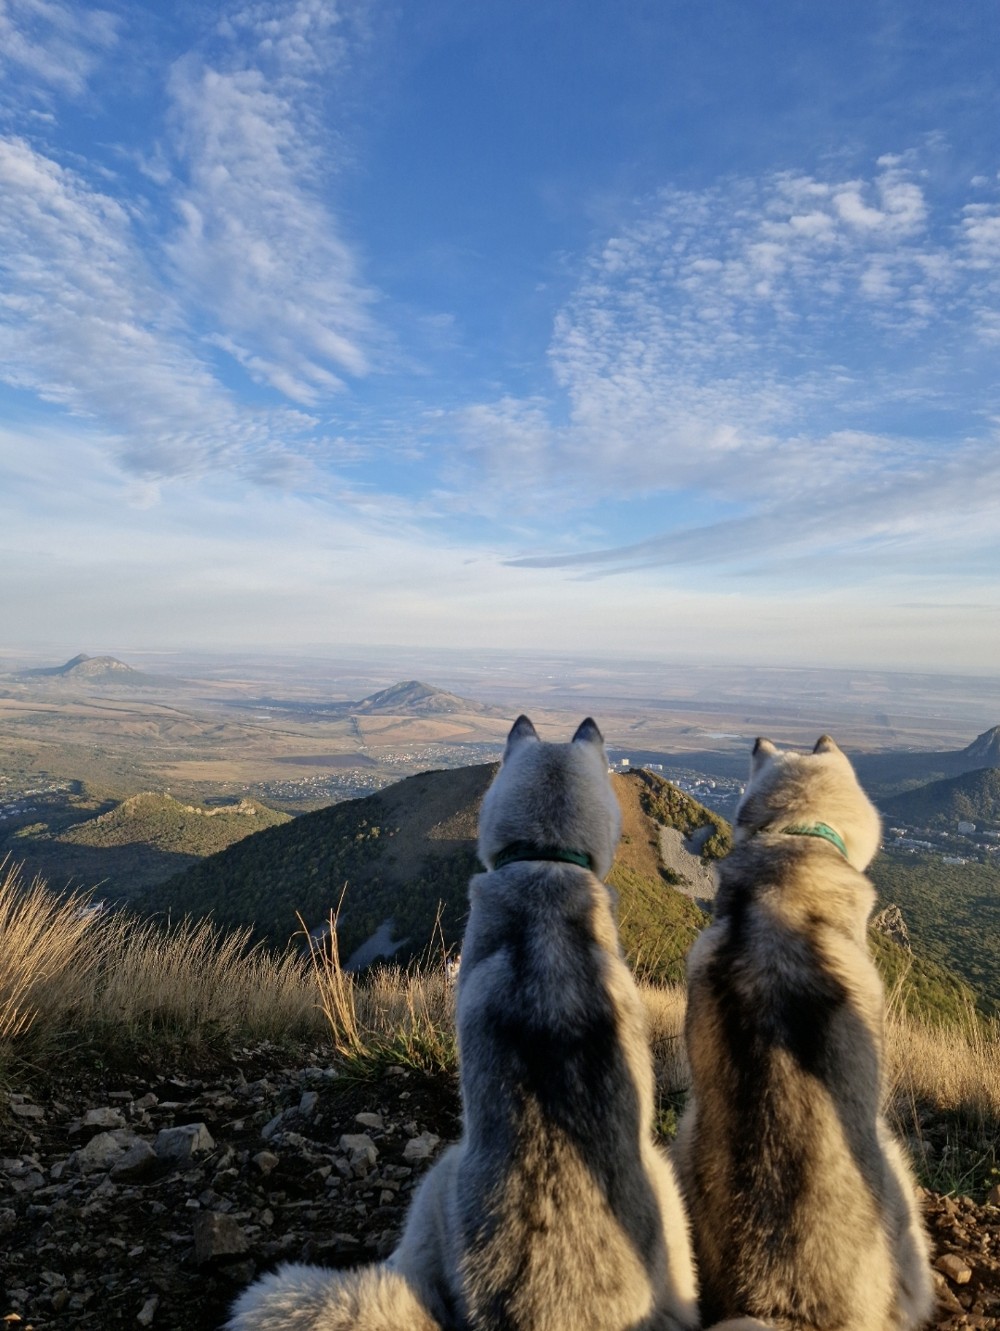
{"x":803,"y":1210}
{"x":555,"y":1211}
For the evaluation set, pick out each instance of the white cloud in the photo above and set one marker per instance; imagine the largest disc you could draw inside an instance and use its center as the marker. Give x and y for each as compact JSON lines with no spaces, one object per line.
{"x":83,"y":322}
{"x":54,"y":45}
{"x":258,"y":249}
{"x":767,"y":346}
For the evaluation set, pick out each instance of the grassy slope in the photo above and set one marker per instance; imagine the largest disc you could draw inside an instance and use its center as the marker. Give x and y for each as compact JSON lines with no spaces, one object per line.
{"x":953,"y":914}
{"x":974,"y":796}
{"x":406,"y":849}
{"x":134,"y":844}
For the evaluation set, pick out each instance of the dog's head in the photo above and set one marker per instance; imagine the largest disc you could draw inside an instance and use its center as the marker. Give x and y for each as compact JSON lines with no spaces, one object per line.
{"x":552,"y":797}
{"x":807,"y":790}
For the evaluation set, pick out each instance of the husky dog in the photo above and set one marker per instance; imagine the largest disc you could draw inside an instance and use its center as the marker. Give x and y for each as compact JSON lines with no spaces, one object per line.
{"x":555,"y":1211}
{"x":803,"y":1211}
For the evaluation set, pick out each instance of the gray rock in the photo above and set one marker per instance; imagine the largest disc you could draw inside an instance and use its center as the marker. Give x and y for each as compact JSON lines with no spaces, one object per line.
{"x":361,"y":1152}
{"x":420,"y":1148}
{"x":217,"y":1236}
{"x":139,"y":1160}
{"x":374,"y":1121}
{"x":20,"y":1109}
{"x":103,"y":1118}
{"x":266,"y":1161}
{"x":269,"y":1129}
{"x":308,"y":1103}
{"x":180,"y":1145}
{"x":147,"y":1312}
{"x":101,"y":1152}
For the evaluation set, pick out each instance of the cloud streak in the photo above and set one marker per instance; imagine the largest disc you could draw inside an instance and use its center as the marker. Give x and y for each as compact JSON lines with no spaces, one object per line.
{"x":152,"y":333}
{"x":798,"y":351}
{"x":257,"y":250}
{"x":55,"y":46}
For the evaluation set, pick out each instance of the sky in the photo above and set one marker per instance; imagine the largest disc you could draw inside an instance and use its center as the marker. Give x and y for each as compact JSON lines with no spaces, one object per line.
{"x":660,"y":326}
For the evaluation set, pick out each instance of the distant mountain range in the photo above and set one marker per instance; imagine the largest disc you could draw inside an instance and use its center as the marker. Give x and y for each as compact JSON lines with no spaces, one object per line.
{"x":884,"y":773}
{"x":972,"y":797}
{"x":414,"y":698}
{"x":84,"y":669}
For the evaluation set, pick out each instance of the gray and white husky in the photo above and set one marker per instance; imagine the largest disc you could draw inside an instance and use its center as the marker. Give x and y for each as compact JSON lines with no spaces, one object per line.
{"x":803,"y":1210}
{"x":555,"y":1211}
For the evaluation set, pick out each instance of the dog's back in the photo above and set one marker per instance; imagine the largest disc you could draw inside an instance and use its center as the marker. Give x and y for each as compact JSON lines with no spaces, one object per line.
{"x":803,"y":1211}
{"x":555,"y":1211}
{"x":564,"y":1213}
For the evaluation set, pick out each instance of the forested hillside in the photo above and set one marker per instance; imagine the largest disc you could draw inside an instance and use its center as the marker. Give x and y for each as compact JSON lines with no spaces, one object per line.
{"x":953,"y":914}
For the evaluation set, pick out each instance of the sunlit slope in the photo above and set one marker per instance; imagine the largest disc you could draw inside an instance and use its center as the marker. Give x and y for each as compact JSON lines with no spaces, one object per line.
{"x":401,"y":852}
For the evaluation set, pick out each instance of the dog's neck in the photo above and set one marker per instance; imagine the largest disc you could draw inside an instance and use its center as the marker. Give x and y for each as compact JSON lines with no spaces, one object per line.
{"x":823,"y":830}
{"x":529,"y":850}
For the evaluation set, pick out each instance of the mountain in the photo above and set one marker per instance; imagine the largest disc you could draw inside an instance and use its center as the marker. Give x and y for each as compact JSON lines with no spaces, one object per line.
{"x":952,"y":913}
{"x":137,"y":843}
{"x":409,"y":698}
{"x":165,"y":823}
{"x":84,"y":669}
{"x":892,"y":771}
{"x":972,"y":797}
{"x":984,"y":751}
{"x":395,"y":855}
{"x":417,"y":699}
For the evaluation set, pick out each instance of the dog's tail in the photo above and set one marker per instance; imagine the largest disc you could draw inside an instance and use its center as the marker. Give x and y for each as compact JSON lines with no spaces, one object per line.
{"x":310,"y":1298}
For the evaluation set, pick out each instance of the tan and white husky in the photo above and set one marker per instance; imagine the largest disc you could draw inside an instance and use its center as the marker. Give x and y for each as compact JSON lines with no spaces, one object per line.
{"x":803,"y":1211}
{"x":555,"y":1211}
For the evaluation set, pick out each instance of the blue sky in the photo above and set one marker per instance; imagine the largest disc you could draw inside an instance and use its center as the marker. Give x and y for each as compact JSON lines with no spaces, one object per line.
{"x":671,"y":327}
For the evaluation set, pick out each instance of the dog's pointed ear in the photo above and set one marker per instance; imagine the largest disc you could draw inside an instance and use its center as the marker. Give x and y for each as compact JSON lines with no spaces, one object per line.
{"x":588,"y":733}
{"x":826,"y":744}
{"x":520,"y":732}
{"x":763,"y":752}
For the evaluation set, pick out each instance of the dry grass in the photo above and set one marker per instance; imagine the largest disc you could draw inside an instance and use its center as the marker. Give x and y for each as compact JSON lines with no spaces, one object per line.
{"x":953,"y":1068}
{"x":43,"y":951}
{"x":68,"y":974}
{"x":395,"y":1016}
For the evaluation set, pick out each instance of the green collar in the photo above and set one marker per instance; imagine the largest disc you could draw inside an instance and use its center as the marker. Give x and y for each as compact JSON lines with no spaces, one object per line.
{"x":527,"y":850}
{"x":823,"y":830}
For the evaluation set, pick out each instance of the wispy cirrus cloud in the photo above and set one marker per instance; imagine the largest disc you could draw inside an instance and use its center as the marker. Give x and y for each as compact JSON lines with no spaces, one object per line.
{"x":258,"y":250}
{"x":797,"y":350}
{"x":53,"y":45}
{"x":115,"y":307}
{"x":85,"y":324}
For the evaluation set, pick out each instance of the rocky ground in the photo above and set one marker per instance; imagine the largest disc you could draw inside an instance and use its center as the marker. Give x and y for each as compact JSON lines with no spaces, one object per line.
{"x":150,"y":1200}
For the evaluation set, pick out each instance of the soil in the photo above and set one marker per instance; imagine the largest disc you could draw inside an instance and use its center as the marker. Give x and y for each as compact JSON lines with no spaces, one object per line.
{"x":107,"y":1223}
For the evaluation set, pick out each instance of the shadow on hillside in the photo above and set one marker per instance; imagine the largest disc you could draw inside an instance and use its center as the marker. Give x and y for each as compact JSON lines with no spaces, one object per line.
{"x":114,"y":873}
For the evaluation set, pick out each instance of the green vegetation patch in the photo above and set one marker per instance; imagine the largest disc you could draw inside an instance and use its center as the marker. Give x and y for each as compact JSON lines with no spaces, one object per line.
{"x":669,"y":806}
{"x":952,"y":912}
{"x":918,"y":986}
{"x":657,"y":925}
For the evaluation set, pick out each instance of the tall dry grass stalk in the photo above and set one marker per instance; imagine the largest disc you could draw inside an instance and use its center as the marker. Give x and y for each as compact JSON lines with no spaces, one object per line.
{"x":665,"y":1006}
{"x":953,"y":1068}
{"x":392,"y":1016}
{"x":68,"y":972}
{"x":194,"y":976}
{"x":43,"y":950}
